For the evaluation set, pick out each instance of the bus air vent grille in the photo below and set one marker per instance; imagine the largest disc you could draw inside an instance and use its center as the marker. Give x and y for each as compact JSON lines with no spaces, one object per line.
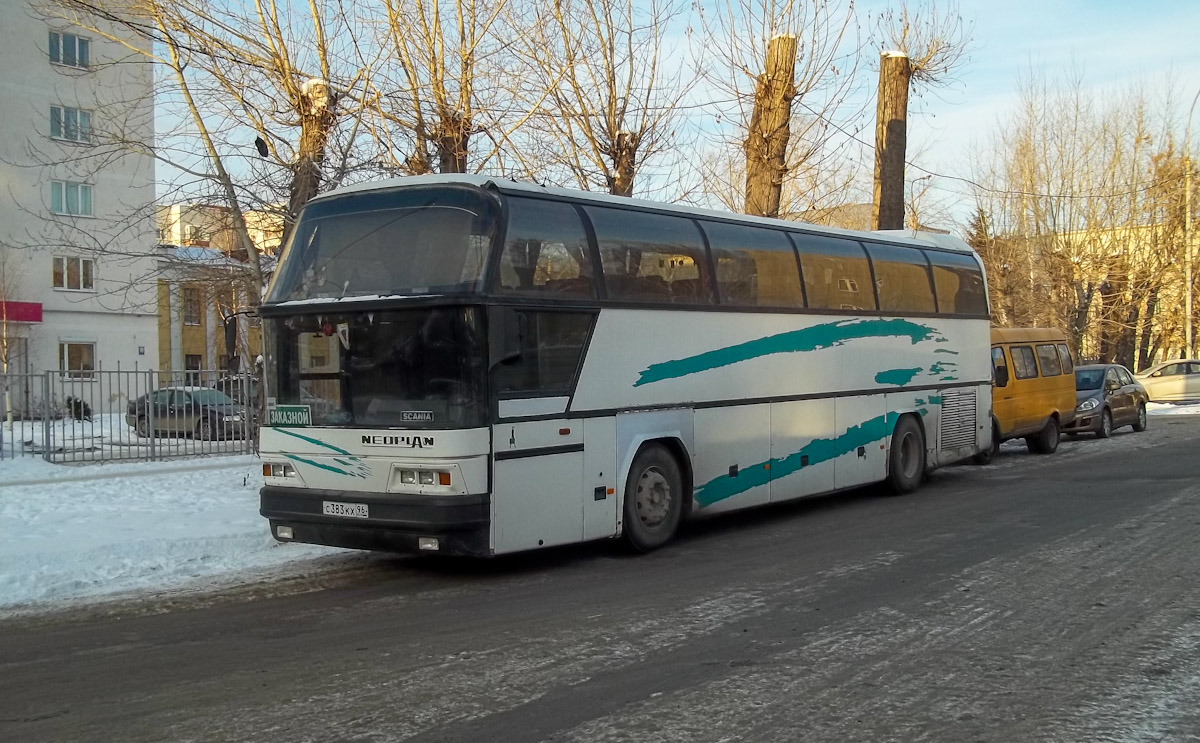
{"x":958,"y":418}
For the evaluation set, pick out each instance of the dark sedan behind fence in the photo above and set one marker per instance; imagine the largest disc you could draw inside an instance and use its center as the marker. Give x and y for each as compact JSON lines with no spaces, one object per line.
{"x":113,"y":415}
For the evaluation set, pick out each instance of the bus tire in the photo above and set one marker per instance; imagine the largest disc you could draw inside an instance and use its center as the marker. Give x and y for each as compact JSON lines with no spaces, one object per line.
{"x":906,"y":459}
{"x":1046,"y":442}
{"x":653,"y":499}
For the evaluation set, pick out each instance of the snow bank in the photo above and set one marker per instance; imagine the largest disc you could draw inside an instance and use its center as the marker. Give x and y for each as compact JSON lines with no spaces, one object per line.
{"x":74,"y":532}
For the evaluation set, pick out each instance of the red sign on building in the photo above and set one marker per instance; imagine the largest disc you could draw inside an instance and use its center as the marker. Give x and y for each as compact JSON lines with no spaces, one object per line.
{"x":21,"y":311}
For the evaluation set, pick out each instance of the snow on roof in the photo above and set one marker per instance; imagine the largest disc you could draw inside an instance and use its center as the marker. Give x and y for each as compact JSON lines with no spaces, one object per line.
{"x":503,"y":185}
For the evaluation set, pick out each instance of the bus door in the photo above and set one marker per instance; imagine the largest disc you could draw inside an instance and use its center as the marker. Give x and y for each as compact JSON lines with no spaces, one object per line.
{"x":537,"y":479}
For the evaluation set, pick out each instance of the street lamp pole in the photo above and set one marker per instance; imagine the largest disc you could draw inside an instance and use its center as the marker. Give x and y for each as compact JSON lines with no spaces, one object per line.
{"x":1187,"y":227}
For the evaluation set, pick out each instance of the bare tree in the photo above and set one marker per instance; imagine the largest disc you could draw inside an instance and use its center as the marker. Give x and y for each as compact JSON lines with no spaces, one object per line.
{"x":10,"y":282}
{"x":607,"y":95}
{"x":1090,"y":210}
{"x":816,"y":52}
{"x":922,"y":45}
{"x":823,"y":182}
{"x":452,"y":105}
{"x":235,"y":85}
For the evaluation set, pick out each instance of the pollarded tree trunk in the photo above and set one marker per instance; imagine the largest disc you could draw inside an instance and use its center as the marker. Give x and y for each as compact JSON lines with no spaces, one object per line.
{"x":891,"y":124}
{"x":317,"y":119}
{"x":766,"y":143}
{"x":624,"y":164}
{"x":451,"y":139}
{"x":1147,"y":329}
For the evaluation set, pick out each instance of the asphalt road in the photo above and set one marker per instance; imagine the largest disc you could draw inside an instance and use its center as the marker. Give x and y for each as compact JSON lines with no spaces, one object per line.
{"x":1037,"y":599}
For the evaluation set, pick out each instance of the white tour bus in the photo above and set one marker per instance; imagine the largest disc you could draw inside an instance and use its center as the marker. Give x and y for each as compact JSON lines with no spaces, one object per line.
{"x":476,"y":366}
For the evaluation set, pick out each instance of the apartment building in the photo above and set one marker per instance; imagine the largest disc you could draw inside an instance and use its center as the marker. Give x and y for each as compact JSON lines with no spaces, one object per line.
{"x":77,"y":225}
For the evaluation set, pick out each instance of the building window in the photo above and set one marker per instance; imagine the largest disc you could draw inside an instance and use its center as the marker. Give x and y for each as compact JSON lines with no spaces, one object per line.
{"x":70,"y":198}
{"x":74,"y":273}
{"x":192,"y":306}
{"x":69,"y":50}
{"x":192,"y":363}
{"x":78,"y":360}
{"x":72,"y":124}
{"x":193,"y":234}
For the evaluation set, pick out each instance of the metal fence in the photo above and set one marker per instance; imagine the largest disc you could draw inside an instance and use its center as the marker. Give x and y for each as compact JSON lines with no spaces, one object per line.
{"x":113,"y":415}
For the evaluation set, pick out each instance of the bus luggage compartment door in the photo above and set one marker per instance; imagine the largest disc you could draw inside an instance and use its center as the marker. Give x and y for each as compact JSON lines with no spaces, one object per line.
{"x":537,"y":481}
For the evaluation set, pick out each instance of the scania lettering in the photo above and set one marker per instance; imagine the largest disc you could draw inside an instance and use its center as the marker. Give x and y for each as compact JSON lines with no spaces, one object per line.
{"x":488,"y":367}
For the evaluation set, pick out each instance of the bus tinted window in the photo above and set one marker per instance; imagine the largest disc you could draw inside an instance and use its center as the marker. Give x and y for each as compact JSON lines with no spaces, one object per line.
{"x":1048,"y":358}
{"x":959,"y":284}
{"x":836,"y":273}
{"x":401,"y":241}
{"x":651,"y":257}
{"x":1024,"y":365}
{"x":1064,"y":356}
{"x":755,"y":267}
{"x":551,"y":344}
{"x":545,"y":251}
{"x":901,"y":278}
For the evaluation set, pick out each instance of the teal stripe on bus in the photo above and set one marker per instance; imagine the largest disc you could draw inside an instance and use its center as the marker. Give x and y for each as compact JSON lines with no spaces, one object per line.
{"x":826,"y":335}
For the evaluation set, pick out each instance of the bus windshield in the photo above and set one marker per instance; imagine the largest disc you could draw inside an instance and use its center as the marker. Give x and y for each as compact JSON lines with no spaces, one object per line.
{"x":416,"y":368}
{"x":394,"y":242}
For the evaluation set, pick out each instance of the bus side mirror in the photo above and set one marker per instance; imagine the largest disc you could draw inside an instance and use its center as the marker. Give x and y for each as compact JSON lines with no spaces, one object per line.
{"x":1002,"y":376}
{"x":507,"y":329}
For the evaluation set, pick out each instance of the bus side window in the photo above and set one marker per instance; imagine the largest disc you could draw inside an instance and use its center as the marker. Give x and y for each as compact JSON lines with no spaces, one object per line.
{"x":902,"y":279}
{"x":755,"y":267}
{"x":551,"y":345}
{"x":1064,"y":357}
{"x":999,"y":367}
{"x":651,"y":257}
{"x":836,"y":273}
{"x":1024,"y":362}
{"x":1048,"y":359}
{"x":545,"y":251}
{"x":959,"y":284}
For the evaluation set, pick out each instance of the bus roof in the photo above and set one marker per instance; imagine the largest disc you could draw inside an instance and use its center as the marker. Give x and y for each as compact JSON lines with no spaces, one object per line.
{"x":923,"y":239}
{"x":1027,"y":335}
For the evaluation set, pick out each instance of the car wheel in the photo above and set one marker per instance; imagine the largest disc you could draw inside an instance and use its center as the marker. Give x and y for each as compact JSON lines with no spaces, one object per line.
{"x":204,"y":429}
{"x":1106,"y":426}
{"x":143,"y":427}
{"x":906,"y":460}
{"x":1140,"y":424}
{"x":653,"y":499}
{"x":1045,"y":442}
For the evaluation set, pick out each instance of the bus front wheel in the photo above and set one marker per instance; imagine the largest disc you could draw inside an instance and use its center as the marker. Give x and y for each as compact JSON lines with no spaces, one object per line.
{"x":906,"y":460}
{"x":653,"y":499}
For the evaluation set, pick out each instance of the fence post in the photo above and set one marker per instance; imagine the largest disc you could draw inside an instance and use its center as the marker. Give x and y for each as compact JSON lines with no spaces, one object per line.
{"x":46,"y":422}
{"x":150,"y":431}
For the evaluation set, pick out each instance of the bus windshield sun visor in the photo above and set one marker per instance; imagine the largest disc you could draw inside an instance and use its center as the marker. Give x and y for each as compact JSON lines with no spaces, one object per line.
{"x":386,"y":243}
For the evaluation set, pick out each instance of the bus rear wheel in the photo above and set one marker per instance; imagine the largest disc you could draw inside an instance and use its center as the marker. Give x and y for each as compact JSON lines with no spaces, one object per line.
{"x":906,"y":460}
{"x":1046,"y":442}
{"x":653,"y":499}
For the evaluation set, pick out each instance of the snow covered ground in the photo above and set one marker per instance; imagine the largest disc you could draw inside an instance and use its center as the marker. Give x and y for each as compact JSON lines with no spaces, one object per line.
{"x":71,"y":533}
{"x":83,"y":532}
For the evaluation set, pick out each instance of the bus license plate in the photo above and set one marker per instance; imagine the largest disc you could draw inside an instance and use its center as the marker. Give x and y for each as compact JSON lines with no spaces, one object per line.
{"x":350,"y":510}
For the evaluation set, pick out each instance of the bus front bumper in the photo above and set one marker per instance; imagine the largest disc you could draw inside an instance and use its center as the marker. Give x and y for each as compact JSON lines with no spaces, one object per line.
{"x":394,"y":523}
